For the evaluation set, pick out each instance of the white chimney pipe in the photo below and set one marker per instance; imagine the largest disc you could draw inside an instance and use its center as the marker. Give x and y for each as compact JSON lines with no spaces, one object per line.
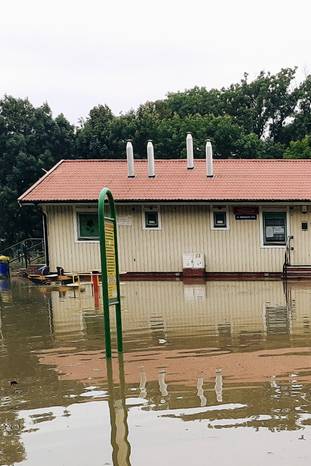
{"x":209,"y":159}
{"x":130,"y":160}
{"x":150,"y":157}
{"x":189,"y":145}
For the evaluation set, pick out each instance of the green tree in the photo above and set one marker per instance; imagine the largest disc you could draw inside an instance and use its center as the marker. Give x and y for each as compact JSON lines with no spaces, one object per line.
{"x":300,"y":149}
{"x":261,"y":106}
{"x":30,"y":141}
{"x":94,"y":134}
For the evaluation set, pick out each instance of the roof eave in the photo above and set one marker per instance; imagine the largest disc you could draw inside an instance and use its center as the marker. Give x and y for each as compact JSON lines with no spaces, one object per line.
{"x":29,"y":190}
{"x":164,"y":201}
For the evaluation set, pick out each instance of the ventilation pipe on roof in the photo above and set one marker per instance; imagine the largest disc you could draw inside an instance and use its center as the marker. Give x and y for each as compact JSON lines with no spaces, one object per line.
{"x":209,"y":159}
{"x":189,"y":145}
{"x":130,"y":159}
{"x":150,"y":157}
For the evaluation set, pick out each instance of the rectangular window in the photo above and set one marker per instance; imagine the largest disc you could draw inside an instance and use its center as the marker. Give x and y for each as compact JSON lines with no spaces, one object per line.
{"x":220,"y":219}
{"x":151,"y":218}
{"x":274,"y":228}
{"x":88,"y":226}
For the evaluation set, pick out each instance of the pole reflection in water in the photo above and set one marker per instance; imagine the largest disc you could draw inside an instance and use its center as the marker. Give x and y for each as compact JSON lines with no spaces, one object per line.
{"x":121,"y":448}
{"x":218,"y":385}
{"x":162,"y":384}
{"x":200,"y":391}
{"x":273,"y":382}
{"x":142,"y":383}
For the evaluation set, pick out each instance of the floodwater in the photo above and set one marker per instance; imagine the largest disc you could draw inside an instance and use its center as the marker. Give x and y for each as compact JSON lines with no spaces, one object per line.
{"x":216,"y":373}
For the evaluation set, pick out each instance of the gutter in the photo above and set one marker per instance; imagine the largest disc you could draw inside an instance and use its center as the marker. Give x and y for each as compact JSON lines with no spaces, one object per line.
{"x":174,"y":202}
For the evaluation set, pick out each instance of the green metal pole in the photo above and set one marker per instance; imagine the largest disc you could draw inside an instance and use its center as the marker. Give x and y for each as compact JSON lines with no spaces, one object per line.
{"x":104,"y":194}
{"x":103,"y":259}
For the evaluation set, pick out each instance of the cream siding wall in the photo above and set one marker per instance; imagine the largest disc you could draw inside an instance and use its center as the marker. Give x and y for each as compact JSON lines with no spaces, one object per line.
{"x":183,"y":229}
{"x":302,"y":239}
{"x":64,"y":249}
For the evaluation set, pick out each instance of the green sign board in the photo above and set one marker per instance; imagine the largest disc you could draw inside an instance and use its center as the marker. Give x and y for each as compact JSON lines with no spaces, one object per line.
{"x":107,"y":225}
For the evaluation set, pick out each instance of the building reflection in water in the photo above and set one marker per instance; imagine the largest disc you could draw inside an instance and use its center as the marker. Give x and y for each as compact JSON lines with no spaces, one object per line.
{"x":229,"y":317}
{"x":230,"y":311}
{"x":67,"y":311}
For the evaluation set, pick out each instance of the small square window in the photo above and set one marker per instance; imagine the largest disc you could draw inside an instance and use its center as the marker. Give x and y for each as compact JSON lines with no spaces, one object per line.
{"x":151,"y":219}
{"x":304,"y":226}
{"x":220,"y":219}
{"x":87,"y":226}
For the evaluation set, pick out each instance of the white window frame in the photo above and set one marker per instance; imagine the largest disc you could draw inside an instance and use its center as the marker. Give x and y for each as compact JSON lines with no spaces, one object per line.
{"x":220,"y":209}
{"x":81,"y":210}
{"x":151,"y":208}
{"x":273,"y":209}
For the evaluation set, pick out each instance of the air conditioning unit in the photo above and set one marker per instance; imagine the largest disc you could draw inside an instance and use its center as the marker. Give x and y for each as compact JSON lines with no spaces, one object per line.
{"x":198,"y":260}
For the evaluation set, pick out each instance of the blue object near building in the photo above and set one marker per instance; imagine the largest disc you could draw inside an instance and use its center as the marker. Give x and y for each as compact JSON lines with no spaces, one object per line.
{"x":4,"y":267}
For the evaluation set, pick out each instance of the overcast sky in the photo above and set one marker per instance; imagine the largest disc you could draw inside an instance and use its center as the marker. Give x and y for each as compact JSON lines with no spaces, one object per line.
{"x":75,"y":54}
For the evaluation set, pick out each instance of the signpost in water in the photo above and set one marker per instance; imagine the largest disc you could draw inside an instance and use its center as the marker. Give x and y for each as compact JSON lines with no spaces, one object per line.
{"x":109,"y":265}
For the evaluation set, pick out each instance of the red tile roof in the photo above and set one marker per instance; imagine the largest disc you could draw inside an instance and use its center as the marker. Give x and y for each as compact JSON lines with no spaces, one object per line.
{"x":241,"y":180}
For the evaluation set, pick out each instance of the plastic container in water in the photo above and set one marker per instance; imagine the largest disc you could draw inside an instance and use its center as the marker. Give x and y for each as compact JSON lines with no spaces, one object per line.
{"x":4,"y":267}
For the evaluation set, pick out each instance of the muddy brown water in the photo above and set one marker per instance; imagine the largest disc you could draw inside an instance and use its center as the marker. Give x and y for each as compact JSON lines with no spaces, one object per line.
{"x":216,"y":373}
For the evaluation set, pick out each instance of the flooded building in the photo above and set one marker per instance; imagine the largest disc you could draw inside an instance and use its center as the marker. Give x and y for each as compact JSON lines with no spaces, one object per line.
{"x":174,"y":216}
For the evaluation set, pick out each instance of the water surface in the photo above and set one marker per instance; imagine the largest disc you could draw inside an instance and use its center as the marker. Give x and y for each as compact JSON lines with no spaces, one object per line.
{"x":216,"y":373}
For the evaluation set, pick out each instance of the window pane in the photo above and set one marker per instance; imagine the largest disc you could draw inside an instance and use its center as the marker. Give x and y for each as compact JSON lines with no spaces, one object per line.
{"x":274,"y":227}
{"x":88,"y":225}
{"x":151,"y":219}
{"x":220,"y":220}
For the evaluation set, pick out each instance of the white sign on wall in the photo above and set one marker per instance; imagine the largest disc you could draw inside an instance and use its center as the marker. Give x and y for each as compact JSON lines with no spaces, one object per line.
{"x":125,"y":220}
{"x":193,"y":260}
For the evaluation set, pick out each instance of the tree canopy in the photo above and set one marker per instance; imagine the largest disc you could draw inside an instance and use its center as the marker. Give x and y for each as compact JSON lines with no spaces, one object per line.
{"x":31,"y":141}
{"x":268,"y":117}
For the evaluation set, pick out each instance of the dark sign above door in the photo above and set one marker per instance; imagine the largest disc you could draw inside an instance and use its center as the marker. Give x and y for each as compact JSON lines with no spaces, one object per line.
{"x":246,"y":213}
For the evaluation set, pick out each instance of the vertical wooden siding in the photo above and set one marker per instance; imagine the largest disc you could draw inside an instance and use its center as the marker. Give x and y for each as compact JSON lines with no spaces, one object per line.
{"x":302,"y":239}
{"x":183,"y":229}
{"x":64,"y":249}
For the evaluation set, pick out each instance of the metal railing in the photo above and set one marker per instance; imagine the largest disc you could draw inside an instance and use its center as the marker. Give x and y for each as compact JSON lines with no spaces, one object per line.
{"x":287,"y":257}
{"x":25,"y":252}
